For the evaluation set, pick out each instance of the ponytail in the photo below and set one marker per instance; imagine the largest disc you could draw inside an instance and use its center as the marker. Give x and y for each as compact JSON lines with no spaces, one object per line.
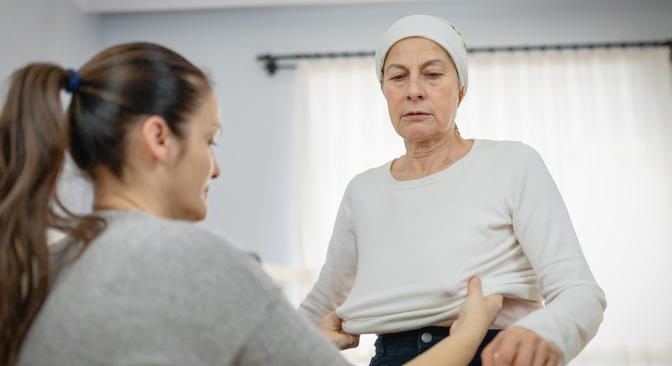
{"x":33,"y":140}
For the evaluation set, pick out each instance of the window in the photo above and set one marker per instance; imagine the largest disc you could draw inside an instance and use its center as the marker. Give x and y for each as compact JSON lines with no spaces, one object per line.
{"x":601,"y":119}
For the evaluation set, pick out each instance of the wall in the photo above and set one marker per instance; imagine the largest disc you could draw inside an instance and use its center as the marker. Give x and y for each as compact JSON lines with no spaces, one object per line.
{"x":49,"y":31}
{"x":44,"y":30}
{"x":254,"y":200}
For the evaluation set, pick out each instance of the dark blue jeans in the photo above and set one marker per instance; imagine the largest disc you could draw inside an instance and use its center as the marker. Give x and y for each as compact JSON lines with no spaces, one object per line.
{"x":397,"y":348}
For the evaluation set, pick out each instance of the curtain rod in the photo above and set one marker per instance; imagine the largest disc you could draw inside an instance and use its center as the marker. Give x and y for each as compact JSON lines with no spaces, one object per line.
{"x":271,"y":61}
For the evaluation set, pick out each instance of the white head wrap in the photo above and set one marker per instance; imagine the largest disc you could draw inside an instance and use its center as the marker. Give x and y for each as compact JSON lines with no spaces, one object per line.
{"x":430,"y":27}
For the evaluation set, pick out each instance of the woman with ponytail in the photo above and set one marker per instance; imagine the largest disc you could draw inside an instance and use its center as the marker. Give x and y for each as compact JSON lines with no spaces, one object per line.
{"x":135,"y":282}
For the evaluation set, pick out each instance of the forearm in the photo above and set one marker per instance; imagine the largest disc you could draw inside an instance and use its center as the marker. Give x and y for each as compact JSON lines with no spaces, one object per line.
{"x":315,"y":306}
{"x":456,"y":350}
{"x":467,"y":332}
{"x":574,"y":301}
{"x":569,"y":321}
{"x":283,"y":338}
{"x":338,"y":272}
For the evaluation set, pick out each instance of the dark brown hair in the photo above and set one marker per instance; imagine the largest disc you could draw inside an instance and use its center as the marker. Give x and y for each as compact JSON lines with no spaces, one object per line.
{"x":109,"y":93}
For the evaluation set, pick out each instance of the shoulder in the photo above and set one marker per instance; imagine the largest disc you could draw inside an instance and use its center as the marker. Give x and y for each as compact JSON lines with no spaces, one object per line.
{"x":510,"y":153}
{"x":165,"y":248}
{"x":372,"y":178}
{"x":139,"y":230}
{"x":508,"y":148}
{"x":155,"y":231}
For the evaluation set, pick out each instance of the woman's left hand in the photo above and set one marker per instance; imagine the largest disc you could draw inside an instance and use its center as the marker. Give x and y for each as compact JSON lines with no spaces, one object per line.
{"x":477,"y":312}
{"x":331,"y":327}
{"x":517,"y":346}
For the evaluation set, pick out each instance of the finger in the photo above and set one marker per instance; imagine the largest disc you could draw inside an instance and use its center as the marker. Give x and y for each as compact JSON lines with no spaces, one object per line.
{"x":540,"y":359}
{"x":355,"y":341}
{"x":336,"y":319}
{"x":474,"y":286}
{"x":526,"y":352}
{"x":488,"y":354}
{"x":507,"y":350}
{"x":494,"y":301}
{"x":553,"y":359}
{"x":544,"y":352}
{"x":330,"y":321}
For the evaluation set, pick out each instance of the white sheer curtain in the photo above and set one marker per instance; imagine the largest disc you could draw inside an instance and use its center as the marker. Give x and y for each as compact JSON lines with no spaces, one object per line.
{"x":601,"y":119}
{"x":343,"y":129}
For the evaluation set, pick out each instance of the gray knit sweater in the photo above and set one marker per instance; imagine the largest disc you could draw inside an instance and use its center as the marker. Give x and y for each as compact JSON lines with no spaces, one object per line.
{"x":151,"y":291}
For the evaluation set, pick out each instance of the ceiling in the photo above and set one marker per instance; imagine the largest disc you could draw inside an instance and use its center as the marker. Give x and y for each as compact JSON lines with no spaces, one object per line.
{"x":131,"y":6}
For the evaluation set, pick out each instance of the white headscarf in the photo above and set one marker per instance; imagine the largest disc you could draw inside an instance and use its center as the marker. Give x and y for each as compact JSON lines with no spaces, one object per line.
{"x":430,"y":27}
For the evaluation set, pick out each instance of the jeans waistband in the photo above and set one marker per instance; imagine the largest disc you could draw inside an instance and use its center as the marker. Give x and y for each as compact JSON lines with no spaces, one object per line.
{"x":413,"y":334}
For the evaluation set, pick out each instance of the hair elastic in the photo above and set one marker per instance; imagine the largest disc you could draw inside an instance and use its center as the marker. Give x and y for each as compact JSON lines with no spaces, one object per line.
{"x":73,"y":81}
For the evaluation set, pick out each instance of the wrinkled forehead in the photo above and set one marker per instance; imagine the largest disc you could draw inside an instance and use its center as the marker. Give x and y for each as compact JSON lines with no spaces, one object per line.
{"x":416,"y":46}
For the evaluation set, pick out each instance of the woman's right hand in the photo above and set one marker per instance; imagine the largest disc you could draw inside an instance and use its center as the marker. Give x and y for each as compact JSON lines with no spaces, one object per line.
{"x":331,"y":327}
{"x":477,"y":312}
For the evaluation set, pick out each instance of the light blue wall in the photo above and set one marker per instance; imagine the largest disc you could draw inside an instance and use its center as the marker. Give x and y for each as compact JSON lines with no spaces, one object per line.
{"x":53,"y":31}
{"x":253,"y":202}
{"x":45,"y":30}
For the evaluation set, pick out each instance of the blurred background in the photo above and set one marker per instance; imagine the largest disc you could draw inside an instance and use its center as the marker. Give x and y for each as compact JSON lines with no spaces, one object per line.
{"x":600,"y":117}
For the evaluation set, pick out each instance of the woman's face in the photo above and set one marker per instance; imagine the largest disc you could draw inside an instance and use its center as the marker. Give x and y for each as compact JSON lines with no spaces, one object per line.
{"x":421,"y":86}
{"x":195,"y":166}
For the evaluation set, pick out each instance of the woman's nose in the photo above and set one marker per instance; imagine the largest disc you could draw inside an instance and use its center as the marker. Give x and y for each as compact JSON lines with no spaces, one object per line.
{"x":215,"y":170}
{"x":415,"y":91}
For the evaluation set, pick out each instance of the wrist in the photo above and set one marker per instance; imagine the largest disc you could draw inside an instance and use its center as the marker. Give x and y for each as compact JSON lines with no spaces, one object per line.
{"x":473,"y":335}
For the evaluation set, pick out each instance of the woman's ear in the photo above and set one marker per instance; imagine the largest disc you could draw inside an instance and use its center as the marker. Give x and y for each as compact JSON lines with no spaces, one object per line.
{"x":159,"y":140}
{"x":463,"y":92}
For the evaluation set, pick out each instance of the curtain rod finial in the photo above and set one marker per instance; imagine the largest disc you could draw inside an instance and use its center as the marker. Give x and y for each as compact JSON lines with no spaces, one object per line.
{"x":270,"y":63}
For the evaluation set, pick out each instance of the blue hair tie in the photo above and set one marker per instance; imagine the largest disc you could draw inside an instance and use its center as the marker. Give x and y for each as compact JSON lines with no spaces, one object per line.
{"x":73,"y":81}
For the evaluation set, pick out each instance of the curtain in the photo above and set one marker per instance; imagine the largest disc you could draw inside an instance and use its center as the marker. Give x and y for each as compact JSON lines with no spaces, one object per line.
{"x":601,"y":119}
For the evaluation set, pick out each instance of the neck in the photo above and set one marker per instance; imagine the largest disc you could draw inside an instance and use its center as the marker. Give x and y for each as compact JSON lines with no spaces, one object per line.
{"x":431,"y":156}
{"x":111,"y":193}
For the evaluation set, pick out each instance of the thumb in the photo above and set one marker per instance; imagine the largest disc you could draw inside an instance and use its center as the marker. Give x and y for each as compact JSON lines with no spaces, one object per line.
{"x":475,"y":286}
{"x":495,"y":301}
{"x":330,"y":321}
{"x":334,"y":319}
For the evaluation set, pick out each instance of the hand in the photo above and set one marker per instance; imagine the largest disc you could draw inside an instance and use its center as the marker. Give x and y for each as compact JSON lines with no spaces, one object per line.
{"x":477,"y":312}
{"x":518,"y":346}
{"x":330,"y":326}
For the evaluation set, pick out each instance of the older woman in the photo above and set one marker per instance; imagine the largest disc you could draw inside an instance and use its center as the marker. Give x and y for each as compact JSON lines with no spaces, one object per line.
{"x":448,"y":208}
{"x":135,"y":283}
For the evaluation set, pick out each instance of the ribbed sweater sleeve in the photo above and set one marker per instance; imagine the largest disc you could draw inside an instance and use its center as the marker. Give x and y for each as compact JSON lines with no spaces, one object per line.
{"x":574,"y":301}
{"x":339,"y":270}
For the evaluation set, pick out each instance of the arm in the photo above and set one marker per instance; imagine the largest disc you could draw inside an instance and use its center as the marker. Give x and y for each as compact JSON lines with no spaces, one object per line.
{"x":574,"y":301}
{"x":282,"y":337}
{"x":337,"y":275}
{"x":466,"y":333}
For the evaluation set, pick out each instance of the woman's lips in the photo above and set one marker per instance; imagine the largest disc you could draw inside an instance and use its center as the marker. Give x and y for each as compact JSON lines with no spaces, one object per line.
{"x":413,"y":116}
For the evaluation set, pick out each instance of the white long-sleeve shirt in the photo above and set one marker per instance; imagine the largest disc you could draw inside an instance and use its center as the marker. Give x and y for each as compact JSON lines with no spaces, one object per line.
{"x":402,"y":252}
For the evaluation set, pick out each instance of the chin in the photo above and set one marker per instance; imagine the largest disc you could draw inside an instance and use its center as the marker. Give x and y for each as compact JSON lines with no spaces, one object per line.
{"x":200,"y":216}
{"x":417,"y":136}
{"x":417,"y":132}
{"x":194,"y":214}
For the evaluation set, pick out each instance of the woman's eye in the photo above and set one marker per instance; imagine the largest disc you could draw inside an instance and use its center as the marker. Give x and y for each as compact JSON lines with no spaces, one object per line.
{"x":433,"y":75}
{"x":397,"y":77}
